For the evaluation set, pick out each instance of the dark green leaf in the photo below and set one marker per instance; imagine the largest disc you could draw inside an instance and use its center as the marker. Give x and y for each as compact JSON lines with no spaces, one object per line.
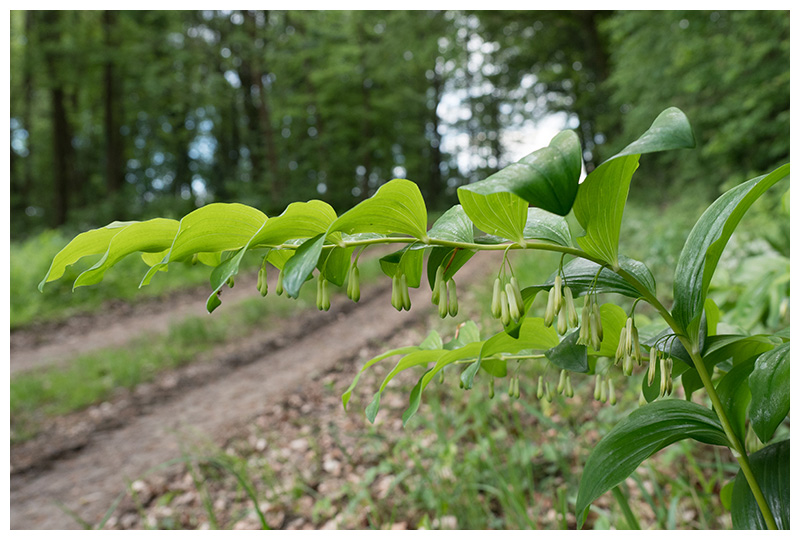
{"x":301,"y":265}
{"x":569,"y":355}
{"x":336,"y":263}
{"x":546,"y":178}
{"x":602,"y":195}
{"x":734,"y":393}
{"x":542,"y":225}
{"x":580,"y":274}
{"x":405,"y":261}
{"x":647,"y":430}
{"x":453,"y":226}
{"x":769,"y":386}
{"x":770,"y":467}
{"x":707,"y":240}
{"x":452,"y":262}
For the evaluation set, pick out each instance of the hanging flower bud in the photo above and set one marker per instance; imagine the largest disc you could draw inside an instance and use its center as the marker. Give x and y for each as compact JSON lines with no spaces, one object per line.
{"x":517,"y":293}
{"x":627,"y":365}
{"x":195,"y":259}
{"x":505,"y":313}
{"x":572,"y":314}
{"x":597,"y":322}
{"x":585,"y":334}
{"x":557,"y":294}
{"x":355,"y":283}
{"x":603,"y":392}
{"x":540,"y":388}
{"x":637,"y":350}
{"x":550,"y":310}
{"x":664,"y":377}
{"x":596,"y":340}
{"x":516,"y":388}
{"x":597,"y":384}
{"x":562,"y":326}
{"x":562,"y":380}
{"x":548,"y":395}
{"x":279,"y":286}
{"x":443,"y":308}
{"x":404,"y":296}
{"x":651,"y":369}
{"x":491,"y":387}
{"x":511,"y":387}
{"x":397,"y":297}
{"x":629,"y":335}
{"x":326,"y":296}
{"x":230,"y":282}
{"x":620,"y":354}
{"x":496,"y":310}
{"x":319,"y":293}
{"x":453,"y":300}
{"x":438,"y":282}
{"x":513,"y":307}
{"x":568,"y":387}
{"x":612,"y":396}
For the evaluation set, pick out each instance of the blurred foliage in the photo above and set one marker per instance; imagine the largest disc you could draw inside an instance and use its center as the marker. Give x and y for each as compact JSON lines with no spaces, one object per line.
{"x":136,"y":114}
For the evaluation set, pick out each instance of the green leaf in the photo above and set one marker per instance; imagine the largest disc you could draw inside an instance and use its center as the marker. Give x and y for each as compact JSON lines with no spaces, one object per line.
{"x":396,"y":208}
{"x":214,"y":227}
{"x":445,"y":256}
{"x":453,"y":226}
{"x":533,"y":335}
{"x":499,"y":213}
{"x":542,"y":225}
{"x":769,"y":386}
{"x":546,"y":178}
{"x":601,"y":197}
{"x":569,"y":355}
{"x":471,"y":350}
{"x":335,"y":264}
{"x":613,"y":319}
{"x":151,"y":236}
{"x":644,"y":432}
{"x":405,"y":261}
{"x":87,"y":243}
{"x":580,"y":274}
{"x":703,"y":248}
{"x":299,"y":267}
{"x":299,"y":220}
{"x":416,"y":358}
{"x":770,"y":467}
{"x":734,"y":393}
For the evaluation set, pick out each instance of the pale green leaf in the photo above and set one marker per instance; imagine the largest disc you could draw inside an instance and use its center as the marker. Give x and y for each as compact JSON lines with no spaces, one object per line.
{"x":499,"y":213}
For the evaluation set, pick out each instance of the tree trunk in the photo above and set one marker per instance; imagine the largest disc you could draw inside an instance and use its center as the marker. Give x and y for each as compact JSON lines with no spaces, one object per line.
{"x":115,"y":172}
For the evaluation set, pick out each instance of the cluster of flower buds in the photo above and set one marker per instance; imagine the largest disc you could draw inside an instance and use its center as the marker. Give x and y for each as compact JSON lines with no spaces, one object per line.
{"x":591,"y":330}
{"x":564,"y":384}
{"x":560,"y":308}
{"x":261,"y":284}
{"x":665,"y":363}
{"x":231,"y":282}
{"x":400,"y":297}
{"x":628,"y":349}
{"x":507,"y":304}
{"x":323,"y":296}
{"x":444,"y":294}
{"x":604,"y":390}
{"x":513,"y":387}
{"x":353,"y":286}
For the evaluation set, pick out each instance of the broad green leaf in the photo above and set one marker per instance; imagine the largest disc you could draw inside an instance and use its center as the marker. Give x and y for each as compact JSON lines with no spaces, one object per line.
{"x":734,"y":393}
{"x":600,"y":205}
{"x":644,"y":432}
{"x":613,"y":318}
{"x":396,"y":208}
{"x":580,"y":275}
{"x":154,"y":235}
{"x":452,"y":259}
{"x":703,"y":248}
{"x":769,"y":386}
{"x":547,"y":178}
{"x":301,"y":265}
{"x":713,"y":316}
{"x":736,"y":348}
{"x":335,"y":263}
{"x":770,"y":467}
{"x":542,"y":225}
{"x":533,"y":335}
{"x":87,"y":243}
{"x":405,"y":261}
{"x":471,"y":350}
{"x":569,"y":355}
{"x":416,"y":358}
{"x":432,"y":342}
{"x":453,"y":226}
{"x":466,"y":332}
{"x":214,"y":227}
{"x":299,"y":220}
{"x":502,"y":214}
{"x":601,"y":197}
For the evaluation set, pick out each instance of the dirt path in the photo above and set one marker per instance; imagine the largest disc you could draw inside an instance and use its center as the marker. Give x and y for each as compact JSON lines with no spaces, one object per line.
{"x":56,"y":344}
{"x":87,"y":479}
